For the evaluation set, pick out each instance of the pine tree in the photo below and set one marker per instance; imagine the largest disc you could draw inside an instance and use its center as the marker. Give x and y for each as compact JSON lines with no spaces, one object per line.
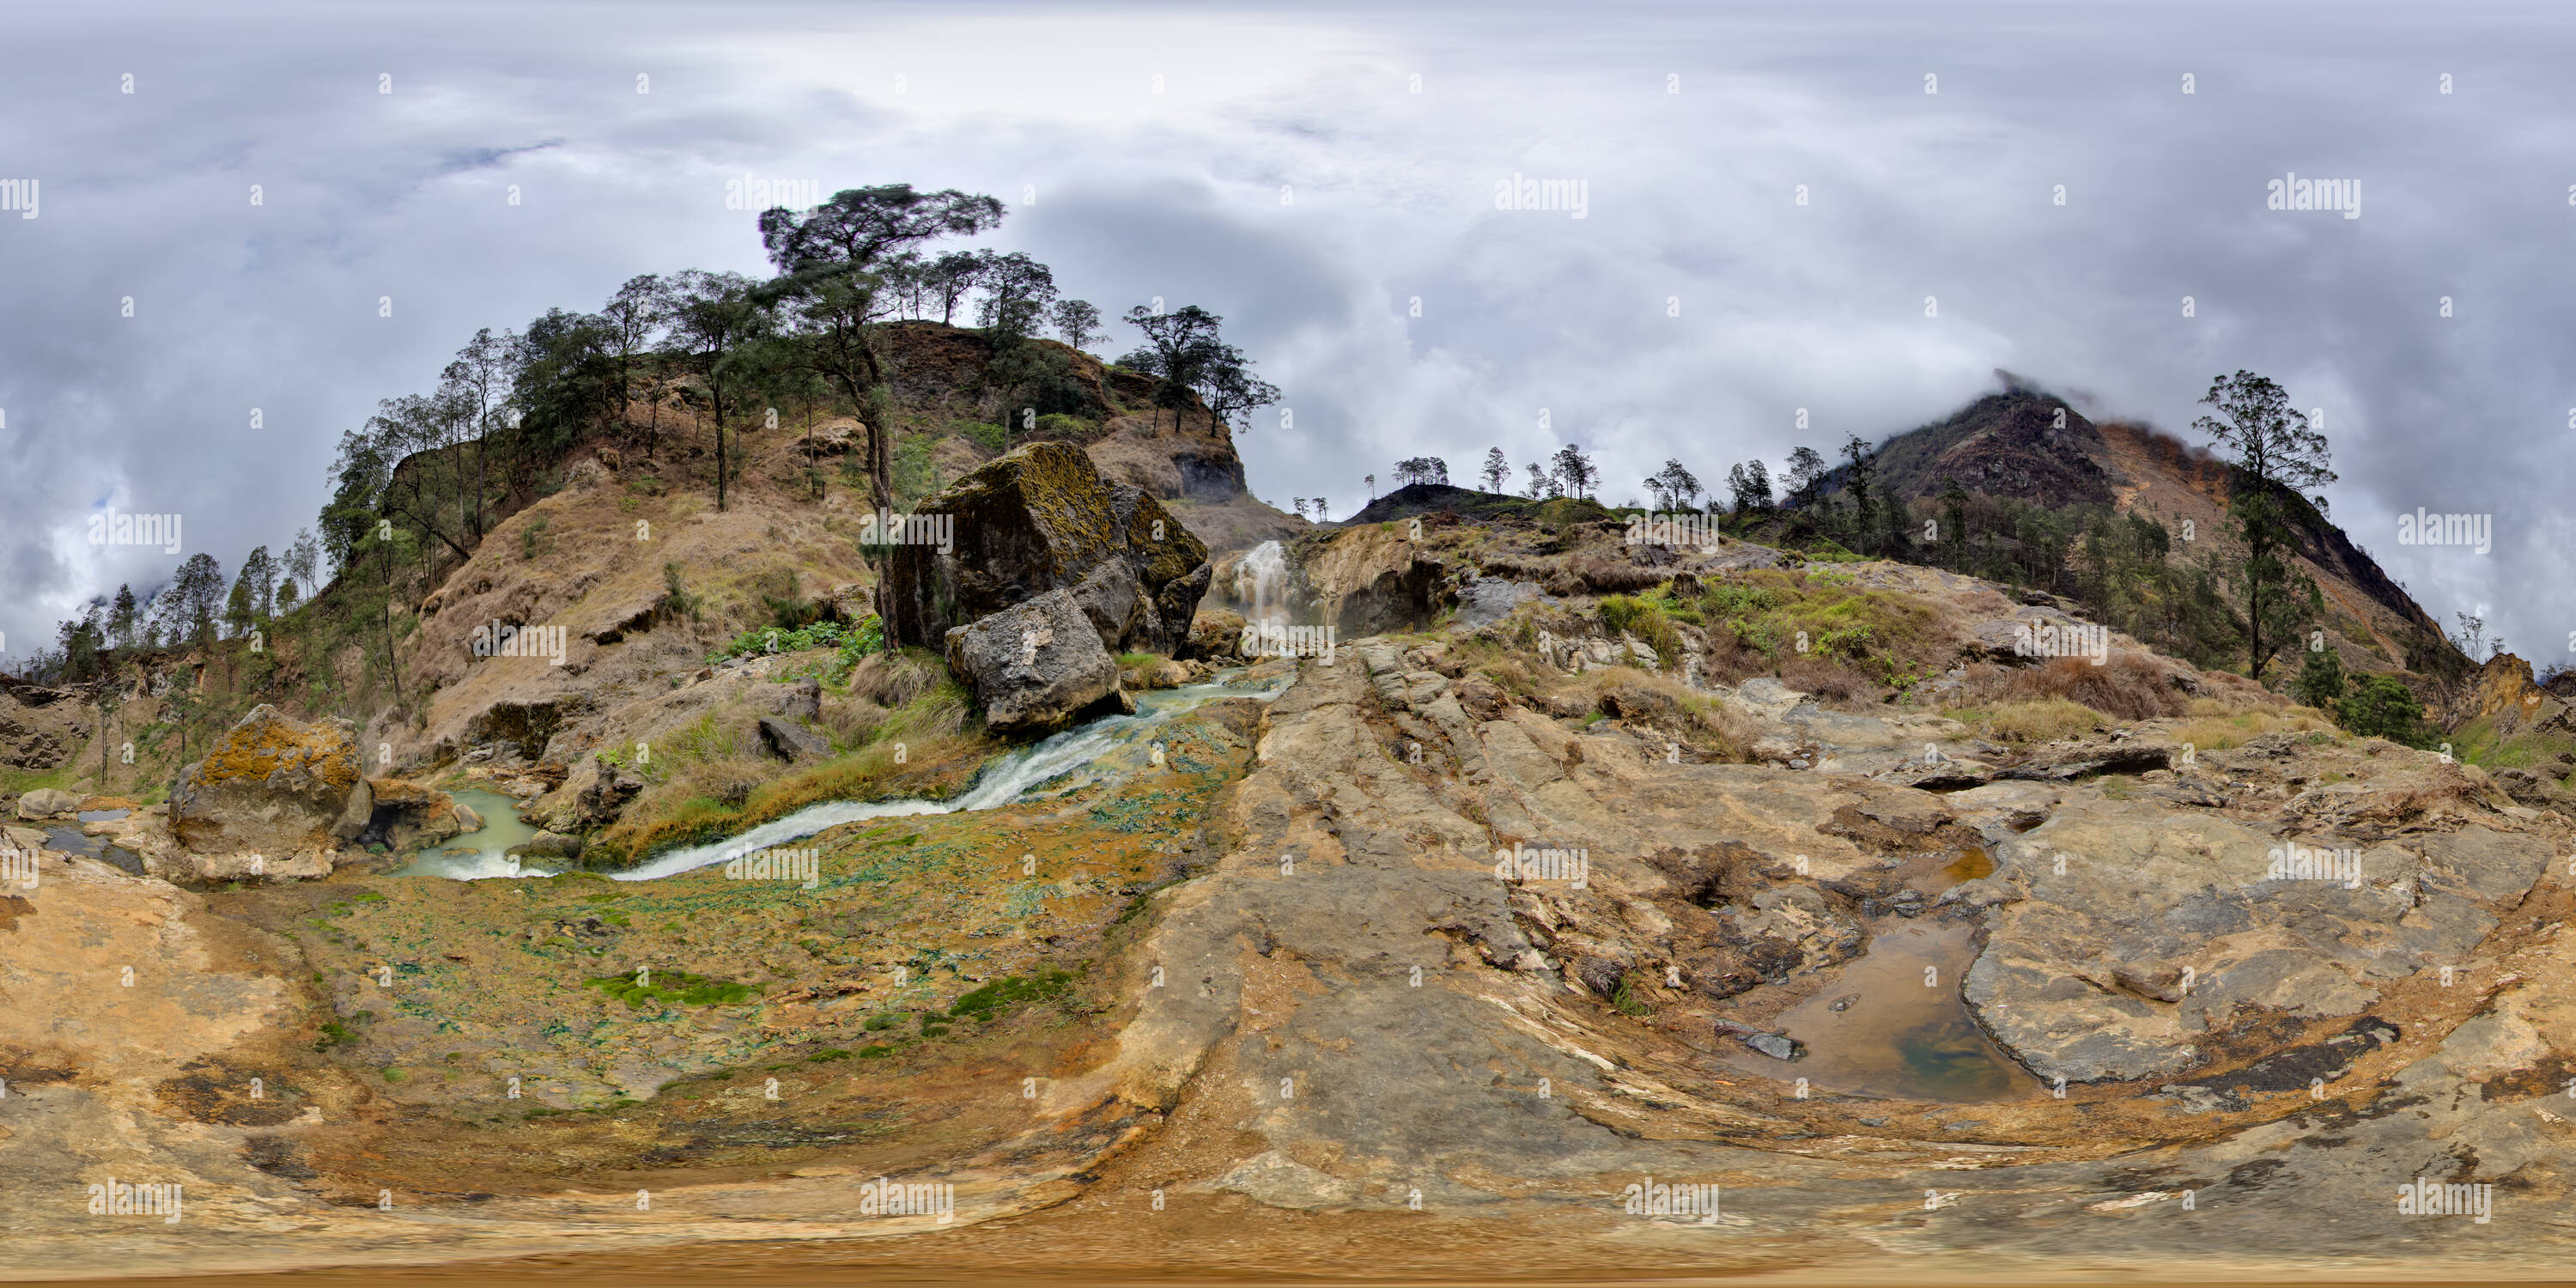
{"x":120,"y":619}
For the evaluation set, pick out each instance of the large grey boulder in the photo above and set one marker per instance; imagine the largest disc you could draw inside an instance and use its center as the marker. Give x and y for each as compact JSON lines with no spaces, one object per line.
{"x":1034,"y":666}
{"x":45,"y":802}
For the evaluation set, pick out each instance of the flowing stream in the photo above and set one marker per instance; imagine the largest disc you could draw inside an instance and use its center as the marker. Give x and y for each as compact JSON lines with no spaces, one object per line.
{"x":1105,"y":748}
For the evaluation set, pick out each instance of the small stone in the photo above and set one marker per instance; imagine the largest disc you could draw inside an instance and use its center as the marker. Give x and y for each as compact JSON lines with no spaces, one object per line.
{"x":1774,"y":1045}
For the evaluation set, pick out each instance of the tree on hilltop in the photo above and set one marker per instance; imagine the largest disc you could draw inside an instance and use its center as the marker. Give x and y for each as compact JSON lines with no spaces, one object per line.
{"x":1574,"y":470}
{"x":1674,"y":487}
{"x":1421,"y":469}
{"x":1748,"y":484}
{"x":834,"y":264}
{"x":2275,"y":452}
{"x":716,"y":320}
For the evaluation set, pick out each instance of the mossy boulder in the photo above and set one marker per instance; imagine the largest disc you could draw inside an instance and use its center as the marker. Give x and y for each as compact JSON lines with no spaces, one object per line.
{"x":272,"y":785}
{"x":1039,"y":519}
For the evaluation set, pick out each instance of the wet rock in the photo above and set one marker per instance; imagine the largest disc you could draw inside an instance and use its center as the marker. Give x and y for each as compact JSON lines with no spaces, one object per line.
{"x":1041,"y":519}
{"x":793,"y":742}
{"x":548,"y":845}
{"x":1775,"y":1045}
{"x":271,"y":785}
{"x":1214,"y":633}
{"x":466,"y":819}
{"x":407,"y":815}
{"x":1034,"y":666}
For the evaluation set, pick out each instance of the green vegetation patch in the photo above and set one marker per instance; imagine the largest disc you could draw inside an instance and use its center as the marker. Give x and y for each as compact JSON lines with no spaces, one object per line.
{"x":672,"y":986}
{"x":999,"y":996}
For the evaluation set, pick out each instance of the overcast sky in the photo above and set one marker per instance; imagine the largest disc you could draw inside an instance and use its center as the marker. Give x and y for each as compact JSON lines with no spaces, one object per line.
{"x":1311,"y":172}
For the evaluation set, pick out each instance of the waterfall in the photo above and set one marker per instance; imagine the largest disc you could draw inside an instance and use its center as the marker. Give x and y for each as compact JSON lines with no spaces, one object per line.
{"x":1261,"y":581}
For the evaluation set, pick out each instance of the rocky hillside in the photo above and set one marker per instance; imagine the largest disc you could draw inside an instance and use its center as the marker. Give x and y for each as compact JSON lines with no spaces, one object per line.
{"x":2033,"y":447}
{"x":1583,"y":904}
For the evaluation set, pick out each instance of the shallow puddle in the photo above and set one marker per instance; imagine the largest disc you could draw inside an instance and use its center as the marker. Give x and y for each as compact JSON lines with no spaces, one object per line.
{"x":1972,"y":863}
{"x":1890,"y":1023}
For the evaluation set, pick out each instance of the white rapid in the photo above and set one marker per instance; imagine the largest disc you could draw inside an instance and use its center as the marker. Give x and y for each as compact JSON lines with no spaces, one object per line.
{"x":1092,"y":751}
{"x":1261,"y":581}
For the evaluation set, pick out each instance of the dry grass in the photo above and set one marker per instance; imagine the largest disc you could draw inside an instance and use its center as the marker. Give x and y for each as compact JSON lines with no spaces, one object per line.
{"x":2127,"y":687}
{"x":1591,"y":572}
{"x":852,"y":721}
{"x":2030,"y":720}
{"x":897,"y":678}
{"x":2220,"y":732}
{"x":1664,"y":703}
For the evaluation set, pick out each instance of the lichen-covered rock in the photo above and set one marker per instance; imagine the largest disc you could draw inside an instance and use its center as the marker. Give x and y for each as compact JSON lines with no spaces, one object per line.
{"x":1040,"y":519}
{"x":1033,"y":666}
{"x":271,"y":785}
